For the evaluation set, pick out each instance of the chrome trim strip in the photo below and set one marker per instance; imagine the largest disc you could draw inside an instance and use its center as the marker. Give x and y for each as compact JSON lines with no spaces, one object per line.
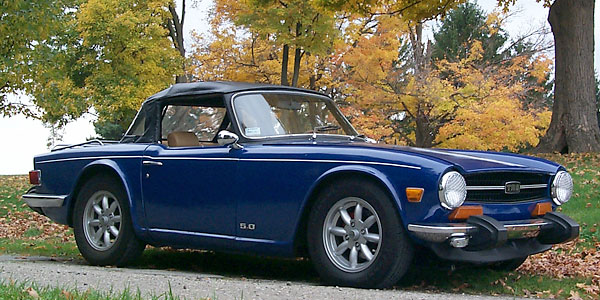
{"x":252,"y":240}
{"x":238,"y":159}
{"x":534,"y":186}
{"x":500,"y":187}
{"x":191,"y":158}
{"x":199,"y":234}
{"x":211,"y":235}
{"x":88,"y":157}
{"x":285,"y":160}
{"x":485,"y":188}
{"x":40,"y":200}
{"x":332,"y":161}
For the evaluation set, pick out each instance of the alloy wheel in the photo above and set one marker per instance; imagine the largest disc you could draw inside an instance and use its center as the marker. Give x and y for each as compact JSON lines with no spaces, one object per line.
{"x":102,"y":220}
{"x":352,"y":234}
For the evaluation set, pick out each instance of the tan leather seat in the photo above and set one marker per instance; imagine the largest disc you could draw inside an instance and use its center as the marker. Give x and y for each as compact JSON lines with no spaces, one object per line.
{"x":182,"y":139}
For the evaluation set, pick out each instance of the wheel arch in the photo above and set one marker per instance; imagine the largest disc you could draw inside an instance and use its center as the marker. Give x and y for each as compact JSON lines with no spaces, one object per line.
{"x":102,"y":166}
{"x":330,"y":177}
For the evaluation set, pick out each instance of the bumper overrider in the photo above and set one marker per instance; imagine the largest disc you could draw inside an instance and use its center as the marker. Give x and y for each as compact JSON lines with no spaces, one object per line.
{"x":483,"y":239}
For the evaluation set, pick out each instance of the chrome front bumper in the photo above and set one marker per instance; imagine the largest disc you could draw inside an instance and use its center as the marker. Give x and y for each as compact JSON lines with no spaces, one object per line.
{"x":41,"y":200}
{"x":441,"y":233}
{"x":484,"y":232}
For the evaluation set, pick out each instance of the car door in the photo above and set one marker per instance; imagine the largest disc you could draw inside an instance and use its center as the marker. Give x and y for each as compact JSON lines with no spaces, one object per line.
{"x":275,"y":180}
{"x":186,"y":187}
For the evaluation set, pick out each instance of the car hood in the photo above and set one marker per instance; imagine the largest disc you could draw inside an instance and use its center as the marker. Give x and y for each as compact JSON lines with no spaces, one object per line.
{"x":477,"y":161}
{"x":465,"y":161}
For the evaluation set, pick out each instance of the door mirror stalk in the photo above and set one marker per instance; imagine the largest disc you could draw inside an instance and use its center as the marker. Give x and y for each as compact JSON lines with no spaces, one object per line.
{"x":228,"y":138}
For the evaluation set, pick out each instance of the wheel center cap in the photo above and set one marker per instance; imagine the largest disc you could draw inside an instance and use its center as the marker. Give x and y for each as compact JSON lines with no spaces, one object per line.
{"x":354,"y":234}
{"x":104,"y":220}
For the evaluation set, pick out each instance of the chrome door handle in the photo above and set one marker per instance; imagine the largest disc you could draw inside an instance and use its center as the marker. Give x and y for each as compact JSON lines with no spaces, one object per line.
{"x":152,"y":163}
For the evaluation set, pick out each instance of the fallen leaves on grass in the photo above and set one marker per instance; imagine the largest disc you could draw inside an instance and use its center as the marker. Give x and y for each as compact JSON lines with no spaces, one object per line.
{"x":16,"y":223}
{"x":574,"y":296}
{"x":593,"y":290}
{"x":565,"y":260}
{"x":32,"y":293}
{"x":18,"y":219}
{"x":67,"y":295}
{"x":503,"y":283}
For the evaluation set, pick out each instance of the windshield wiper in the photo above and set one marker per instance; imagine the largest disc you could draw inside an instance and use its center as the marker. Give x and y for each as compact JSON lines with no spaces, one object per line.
{"x":364,"y":138}
{"x":325,"y":128}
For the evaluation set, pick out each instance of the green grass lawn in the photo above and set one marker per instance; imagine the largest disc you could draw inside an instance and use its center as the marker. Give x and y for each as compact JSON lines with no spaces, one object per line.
{"x":53,"y":247}
{"x":584,"y":206}
{"x":19,"y":291}
{"x":47,"y":239}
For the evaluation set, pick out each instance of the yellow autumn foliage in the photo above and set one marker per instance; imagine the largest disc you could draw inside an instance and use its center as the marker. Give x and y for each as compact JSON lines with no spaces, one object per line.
{"x":371,"y":73}
{"x":454,"y":105}
{"x":492,"y":117}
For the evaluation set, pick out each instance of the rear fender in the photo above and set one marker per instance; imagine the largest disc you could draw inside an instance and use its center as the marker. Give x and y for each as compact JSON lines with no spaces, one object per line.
{"x":110,"y":166}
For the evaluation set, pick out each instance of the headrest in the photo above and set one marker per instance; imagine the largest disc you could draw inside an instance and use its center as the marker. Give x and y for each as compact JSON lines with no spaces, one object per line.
{"x":182,"y":139}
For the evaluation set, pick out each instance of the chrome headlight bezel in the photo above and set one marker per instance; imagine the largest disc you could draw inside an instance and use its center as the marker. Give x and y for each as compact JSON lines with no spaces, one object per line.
{"x":452,"y":190}
{"x":562,"y":188}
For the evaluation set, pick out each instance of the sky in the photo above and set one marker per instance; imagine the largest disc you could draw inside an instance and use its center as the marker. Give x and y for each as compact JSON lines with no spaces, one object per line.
{"x":24,"y":138}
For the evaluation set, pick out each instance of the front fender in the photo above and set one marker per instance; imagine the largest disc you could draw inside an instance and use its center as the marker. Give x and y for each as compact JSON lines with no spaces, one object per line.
{"x":339,"y":171}
{"x":365,"y":170}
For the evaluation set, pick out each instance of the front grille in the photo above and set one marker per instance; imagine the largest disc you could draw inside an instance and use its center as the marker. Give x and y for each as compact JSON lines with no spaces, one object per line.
{"x":489,"y":187}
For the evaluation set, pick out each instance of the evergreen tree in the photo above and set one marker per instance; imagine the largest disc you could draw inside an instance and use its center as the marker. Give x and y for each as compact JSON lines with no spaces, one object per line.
{"x":461,"y":27}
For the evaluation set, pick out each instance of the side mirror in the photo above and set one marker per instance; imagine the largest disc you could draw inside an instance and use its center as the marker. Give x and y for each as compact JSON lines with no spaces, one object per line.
{"x":228,"y":138}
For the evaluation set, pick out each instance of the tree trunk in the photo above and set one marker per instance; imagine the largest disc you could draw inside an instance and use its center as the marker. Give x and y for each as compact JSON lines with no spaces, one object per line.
{"x":574,"y":125}
{"x":423,"y":133}
{"x":313,"y":82}
{"x":284,"y":64}
{"x":175,"y":27}
{"x":297,"y":58}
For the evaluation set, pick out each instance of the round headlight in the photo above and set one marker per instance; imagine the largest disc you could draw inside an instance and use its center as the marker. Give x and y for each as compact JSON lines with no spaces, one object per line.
{"x":562,"y":187}
{"x":453,"y":190}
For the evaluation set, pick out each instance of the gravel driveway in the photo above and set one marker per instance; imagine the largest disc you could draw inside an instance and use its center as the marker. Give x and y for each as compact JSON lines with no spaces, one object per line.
{"x":45,"y":271}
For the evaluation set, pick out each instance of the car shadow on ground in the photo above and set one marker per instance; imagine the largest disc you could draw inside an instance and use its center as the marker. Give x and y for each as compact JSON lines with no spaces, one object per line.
{"x":228,"y":264}
{"x":426,"y":272}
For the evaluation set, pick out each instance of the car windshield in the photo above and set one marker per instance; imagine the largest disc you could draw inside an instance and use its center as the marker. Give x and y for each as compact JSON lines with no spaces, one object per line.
{"x":275,"y":114}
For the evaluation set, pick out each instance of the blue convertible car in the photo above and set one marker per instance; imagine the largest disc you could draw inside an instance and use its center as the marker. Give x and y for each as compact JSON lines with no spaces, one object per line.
{"x":279,"y":171}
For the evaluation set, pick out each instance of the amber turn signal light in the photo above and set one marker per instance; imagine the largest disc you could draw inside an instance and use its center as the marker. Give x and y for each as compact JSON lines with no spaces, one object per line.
{"x":414,"y":194}
{"x":35,"y":177}
{"x":541,"y":209}
{"x":464,"y":212}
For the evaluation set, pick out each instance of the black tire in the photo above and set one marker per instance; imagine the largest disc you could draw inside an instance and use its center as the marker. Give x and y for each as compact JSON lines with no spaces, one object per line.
{"x":126,"y":246}
{"x":508,"y":265}
{"x":395,"y":248}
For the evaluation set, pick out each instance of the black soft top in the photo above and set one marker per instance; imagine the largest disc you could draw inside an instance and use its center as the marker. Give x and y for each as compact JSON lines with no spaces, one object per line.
{"x":145,"y":127}
{"x":215,"y":87}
